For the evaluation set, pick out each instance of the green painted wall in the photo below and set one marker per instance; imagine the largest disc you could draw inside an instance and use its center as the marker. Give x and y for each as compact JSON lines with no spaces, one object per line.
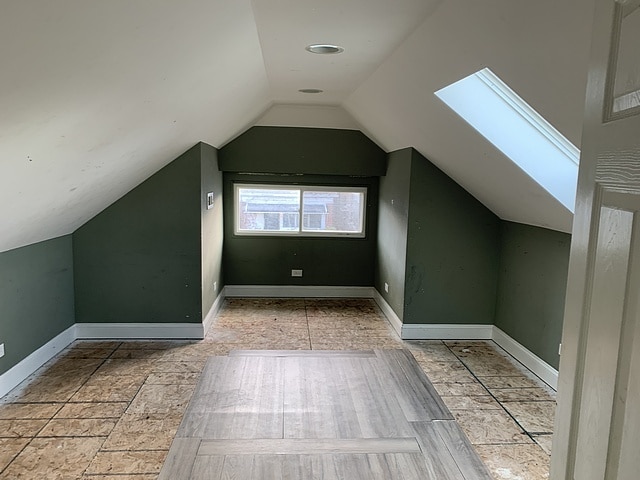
{"x":392,"y":229}
{"x":264,"y":260}
{"x":139,"y":260}
{"x":290,"y":150}
{"x":531,"y":290}
{"x":212,"y":227}
{"x":453,"y":250}
{"x":36,"y":297}
{"x":313,"y":156}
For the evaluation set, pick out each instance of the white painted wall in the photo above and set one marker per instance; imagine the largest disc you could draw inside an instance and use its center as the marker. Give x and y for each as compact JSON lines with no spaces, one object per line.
{"x":539,"y":48}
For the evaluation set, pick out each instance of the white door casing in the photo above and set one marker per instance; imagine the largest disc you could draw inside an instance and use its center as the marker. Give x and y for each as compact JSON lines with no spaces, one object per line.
{"x":597,"y":430}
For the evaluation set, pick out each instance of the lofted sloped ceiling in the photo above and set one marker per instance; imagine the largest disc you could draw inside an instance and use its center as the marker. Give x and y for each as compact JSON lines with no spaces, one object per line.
{"x":96,"y":96}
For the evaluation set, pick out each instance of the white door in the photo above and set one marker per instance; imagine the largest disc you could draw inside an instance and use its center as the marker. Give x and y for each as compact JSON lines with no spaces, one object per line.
{"x":597,"y":433}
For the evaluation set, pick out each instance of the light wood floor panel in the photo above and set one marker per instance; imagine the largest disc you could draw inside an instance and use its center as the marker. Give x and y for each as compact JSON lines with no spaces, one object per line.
{"x":318,"y":416}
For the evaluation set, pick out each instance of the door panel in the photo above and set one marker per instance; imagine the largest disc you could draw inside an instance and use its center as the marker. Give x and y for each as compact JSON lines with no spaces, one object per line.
{"x":597,"y":432}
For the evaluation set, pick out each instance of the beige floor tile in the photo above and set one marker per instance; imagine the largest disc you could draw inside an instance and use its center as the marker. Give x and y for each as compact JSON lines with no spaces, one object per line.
{"x":127,"y":462}
{"x":143,"y":432}
{"x":455,"y":389}
{"x":478,"y":402}
{"x":141,"y":476}
{"x":173,"y":378}
{"x":21,"y":428}
{"x":490,"y":427}
{"x":78,"y":427}
{"x":13,"y":411}
{"x":84,"y":352}
{"x":93,"y":410}
{"x":431,"y":353}
{"x":189,"y":366}
{"x":535,"y":394}
{"x":534,"y":417}
{"x":545,"y":442}
{"x":9,"y":449}
{"x":72,"y":367}
{"x":470,"y":343}
{"x":54,"y":459}
{"x":121,"y":366}
{"x":48,"y":389}
{"x":164,"y":399}
{"x":150,"y":355}
{"x":113,"y":344}
{"x":452,"y":372}
{"x":487,"y":366}
{"x":511,"y":462}
{"x":114,"y":388}
{"x":495,"y":383}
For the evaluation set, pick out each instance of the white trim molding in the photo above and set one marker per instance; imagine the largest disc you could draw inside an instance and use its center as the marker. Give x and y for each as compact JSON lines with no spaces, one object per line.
{"x":139,"y":331}
{"x":27,"y":366}
{"x":535,"y":364}
{"x":415,"y":331}
{"x":298,"y":291}
{"x":213,"y":311}
{"x":392,"y":317}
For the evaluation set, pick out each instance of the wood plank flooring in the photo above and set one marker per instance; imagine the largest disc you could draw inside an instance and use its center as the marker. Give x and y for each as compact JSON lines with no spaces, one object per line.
{"x":319,"y":415}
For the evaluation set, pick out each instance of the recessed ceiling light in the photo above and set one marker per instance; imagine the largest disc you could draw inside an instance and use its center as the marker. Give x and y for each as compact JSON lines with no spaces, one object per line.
{"x":324,"y":49}
{"x":310,"y":90}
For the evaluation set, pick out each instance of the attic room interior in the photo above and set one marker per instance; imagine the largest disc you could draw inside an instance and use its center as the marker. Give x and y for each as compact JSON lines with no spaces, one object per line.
{"x":221,"y":201}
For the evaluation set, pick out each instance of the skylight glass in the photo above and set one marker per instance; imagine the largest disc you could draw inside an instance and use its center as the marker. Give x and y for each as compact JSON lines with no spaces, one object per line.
{"x":517,"y":130}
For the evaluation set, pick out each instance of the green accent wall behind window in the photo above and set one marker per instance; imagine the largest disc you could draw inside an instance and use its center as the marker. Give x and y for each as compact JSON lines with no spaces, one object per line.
{"x":312,"y":156}
{"x":36,"y":297}
{"x":531,"y":291}
{"x":268,"y":260}
{"x":311,"y":151}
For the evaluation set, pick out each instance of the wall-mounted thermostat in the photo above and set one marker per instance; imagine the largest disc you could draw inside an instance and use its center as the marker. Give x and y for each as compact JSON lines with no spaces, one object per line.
{"x":209,"y":200}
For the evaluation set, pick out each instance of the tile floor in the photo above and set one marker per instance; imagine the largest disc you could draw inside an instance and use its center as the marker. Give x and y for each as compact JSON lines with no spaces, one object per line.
{"x":108,"y":410}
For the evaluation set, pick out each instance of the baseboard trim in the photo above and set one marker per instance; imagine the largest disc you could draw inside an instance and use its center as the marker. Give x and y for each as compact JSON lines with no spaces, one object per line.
{"x":535,"y":364}
{"x":414,"y":331}
{"x":27,"y":366}
{"x":393,"y":318}
{"x":213,"y":311}
{"x":298,"y":291}
{"x":94,"y":331}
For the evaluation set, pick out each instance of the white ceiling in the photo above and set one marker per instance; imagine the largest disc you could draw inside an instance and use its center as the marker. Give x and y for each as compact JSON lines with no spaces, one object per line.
{"x":96,"y":96}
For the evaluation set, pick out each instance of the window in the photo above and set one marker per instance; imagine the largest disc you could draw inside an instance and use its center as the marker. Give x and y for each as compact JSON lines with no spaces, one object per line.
{"x":277,"y":210}
{"x":488,"y":104}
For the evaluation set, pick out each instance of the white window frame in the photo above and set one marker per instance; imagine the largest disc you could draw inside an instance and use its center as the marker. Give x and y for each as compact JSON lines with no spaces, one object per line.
{"x":300,"y":232}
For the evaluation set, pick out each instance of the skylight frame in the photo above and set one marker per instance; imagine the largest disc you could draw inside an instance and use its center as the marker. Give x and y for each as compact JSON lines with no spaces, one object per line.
{"x":509,"y":123}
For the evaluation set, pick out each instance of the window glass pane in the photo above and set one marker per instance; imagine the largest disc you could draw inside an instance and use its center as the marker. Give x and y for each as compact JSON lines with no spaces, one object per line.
{"x":332,"y":212}
{"x":268,"y":210}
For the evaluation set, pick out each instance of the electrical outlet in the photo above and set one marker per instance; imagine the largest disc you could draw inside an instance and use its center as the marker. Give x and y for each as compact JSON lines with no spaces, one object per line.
{"x":386,"y":287}
{"x":215,"y":286}
{"x":1,"y":350}
{"x":296,"y":273}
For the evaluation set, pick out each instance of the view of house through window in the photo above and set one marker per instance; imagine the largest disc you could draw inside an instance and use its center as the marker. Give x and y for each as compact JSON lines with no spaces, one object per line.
{"x":299,"y":210}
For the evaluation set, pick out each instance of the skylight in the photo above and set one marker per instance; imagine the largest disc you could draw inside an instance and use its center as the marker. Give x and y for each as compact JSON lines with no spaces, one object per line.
{"x":517,"y":130}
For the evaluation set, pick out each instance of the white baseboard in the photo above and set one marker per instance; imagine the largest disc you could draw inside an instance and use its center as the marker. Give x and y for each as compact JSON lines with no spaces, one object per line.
{"x":542,"y":369}
{"x":213,"y":311}
{"x":297,"y":291}
{"x":139,"y":331}
{"x":394,"y":320}
{"x":19,"y":372}
{"x":414,"y":331}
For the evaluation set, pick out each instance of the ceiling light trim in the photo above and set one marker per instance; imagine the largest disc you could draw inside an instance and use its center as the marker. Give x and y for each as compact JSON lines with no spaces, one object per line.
{"x":324,"y":49}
